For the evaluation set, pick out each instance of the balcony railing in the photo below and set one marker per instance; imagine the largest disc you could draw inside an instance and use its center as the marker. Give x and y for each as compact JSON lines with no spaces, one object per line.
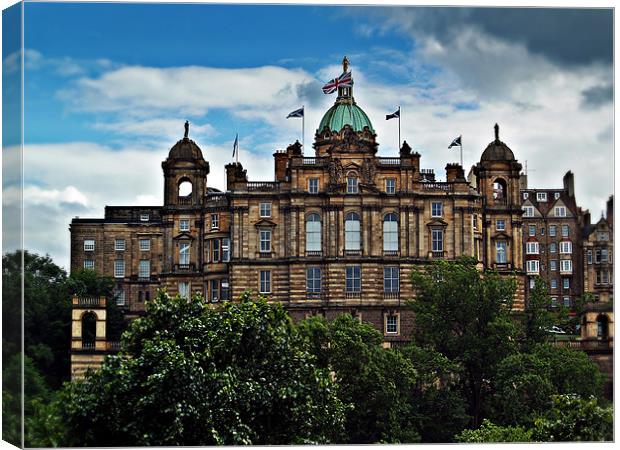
{"x":357,"y":294}
{"x":313,"y":162}
{"x":314,"y":253}
{"x":88,"y":345}
{"x":441,"y":186}
{"x":184,"y":267}
{"x":390,"y":252}
{"x":587,"y":344}
{"x":185,"y":200}
{"x":253,"y":186}
{"x":389,"y":161}
{"x":391,"y":295}
{"x":113,"y":345}
{"x":352,"y":252}
{"x":437,"y":254}
{"x":314,"y":295}
{"x":89,"y":301}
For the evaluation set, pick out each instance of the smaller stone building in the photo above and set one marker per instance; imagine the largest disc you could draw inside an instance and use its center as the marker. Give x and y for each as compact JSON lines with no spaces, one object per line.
{"x":598,"y":241}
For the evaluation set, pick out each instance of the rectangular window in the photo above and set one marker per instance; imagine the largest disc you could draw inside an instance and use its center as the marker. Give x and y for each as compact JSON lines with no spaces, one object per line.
{"x":553,"y":265}
{"x":532,"y":282}
{"x":147,"y":296}
{"x":560,"y":211}
{"x":605,"y":277}
{"x":184,"y":289}
{"x":265,"y":209}
{"x":215,"y":284}
{"x":554,"y":302}
{"x":89,"y":264}
{"x":390,"y":185}
{"x":554,"y":283}
{"x":119,"y":244}
{"x":553,"y":247}
{"x":436,"y":209}
{"x":532,"y":230}
{"x":184,"y":225}
{"x":541,"y":196}
{"x":566,"y":265}
{"x":119,"y":295}
{"x":603,"y":236}
{"x":532,"y":248}
{"x":565,"y":231}
{"x":500,"y":225}
{"x":391,"y":279}
{"x":313,"y":281}
{"x":265,"y":241}
{"x":352,"y":185}
{"x":604,"y":255}
{"x":215,"y":221}
{"x":145,"y":245}
{"x":224,"y":289}
{"x":437,"y":238}
{"x":140,"y":298}
{"x":391,"y":324}
{"x":313,"y":185}
{"x":542,"y":231}
{"x":556,"y":195}
{"x":565,"y":283}
{"x":526,"y":195}
{"x":532,"y":266}
{"x":89,"y":245}
{"x":500,"y":252}
{"x":597,"y":256}
{"x":598,"y":277}
{"x":566,"y":247}
{"x":144,"y":217}
{"x":225,"y":249}
{"x":567,"y":302}
{"x":265,"y":282}
{"x":589,"y":256}
{"x":353,"y":279}
{"x":553,"y":230}
{"x":144,"y":269}
{"x":215,"y":250}
{"x":528,"y":211}
{"x":474,"y":221}
{"x":119,"y":268}
{"x":184,"y":253}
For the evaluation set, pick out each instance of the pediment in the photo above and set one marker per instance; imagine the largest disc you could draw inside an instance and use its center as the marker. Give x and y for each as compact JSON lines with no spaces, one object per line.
{"x":265,"y":223}
{"x":537,"y":213}
{"x":557,"y":203}
{"x":183,"y":235}
{"x":437,"y":222}
{"x":501,"y":236}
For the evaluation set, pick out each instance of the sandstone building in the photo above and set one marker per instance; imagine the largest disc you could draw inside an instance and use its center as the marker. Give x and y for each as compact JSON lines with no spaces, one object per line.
{"x":336,"y":231}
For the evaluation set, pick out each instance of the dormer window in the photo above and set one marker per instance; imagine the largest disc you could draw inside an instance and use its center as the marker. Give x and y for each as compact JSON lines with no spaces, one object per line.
{"x":144,"y":217}
{"x":541,"y":196}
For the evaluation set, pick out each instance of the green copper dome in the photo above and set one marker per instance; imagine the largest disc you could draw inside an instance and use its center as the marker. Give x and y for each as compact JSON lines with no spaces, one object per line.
{"x":342,"y":114}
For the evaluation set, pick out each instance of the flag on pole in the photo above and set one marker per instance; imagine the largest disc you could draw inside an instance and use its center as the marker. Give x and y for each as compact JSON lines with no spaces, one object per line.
{"x":343,"y":80}
{"x":456,"y":143}
{"x":394,"y":115}
{"x":297,"y":113}
{"x":236,"y":145}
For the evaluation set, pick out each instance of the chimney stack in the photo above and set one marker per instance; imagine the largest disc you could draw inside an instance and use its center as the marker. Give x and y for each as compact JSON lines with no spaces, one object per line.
{"x":569,"y":183}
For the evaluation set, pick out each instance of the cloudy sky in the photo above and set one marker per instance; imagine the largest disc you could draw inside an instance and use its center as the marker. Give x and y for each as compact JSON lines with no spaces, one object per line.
{"x":109,"y":86}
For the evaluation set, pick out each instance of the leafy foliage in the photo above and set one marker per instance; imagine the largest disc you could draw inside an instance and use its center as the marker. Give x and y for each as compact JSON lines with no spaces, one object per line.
{"x":489,"y":432}
{"x":377,"y":383}
{"x":574,"y":419}
{"x":192,"y":375}
{"x":465,"y":316}
{"x":537,"y":319}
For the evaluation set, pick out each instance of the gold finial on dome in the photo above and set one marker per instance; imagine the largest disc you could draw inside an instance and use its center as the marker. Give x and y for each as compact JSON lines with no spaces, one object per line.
{"x":345,"y":64}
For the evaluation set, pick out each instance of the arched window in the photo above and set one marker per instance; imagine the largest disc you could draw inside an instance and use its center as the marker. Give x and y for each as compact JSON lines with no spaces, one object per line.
{"x":352,"y":232}
{"x":499,"y":189}
{"x":185,"y":188}
{"x":390,"y":233}
{"x":89,"y":330}
{"x":313,"y":233}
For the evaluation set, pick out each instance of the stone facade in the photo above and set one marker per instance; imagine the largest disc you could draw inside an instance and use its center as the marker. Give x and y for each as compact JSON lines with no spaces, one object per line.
{"x":552,"y":240}
{"x":598,"y":242}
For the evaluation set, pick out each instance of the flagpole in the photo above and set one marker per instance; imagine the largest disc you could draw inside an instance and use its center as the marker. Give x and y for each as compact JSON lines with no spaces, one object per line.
{"x":398,"y":147}
{"x":462,"y":152}
{"x":303,"y":129}
{"x":237,"y":148}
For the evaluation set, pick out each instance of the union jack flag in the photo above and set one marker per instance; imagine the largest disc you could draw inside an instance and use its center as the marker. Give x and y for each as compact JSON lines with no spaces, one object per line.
{"x":343,"y":80}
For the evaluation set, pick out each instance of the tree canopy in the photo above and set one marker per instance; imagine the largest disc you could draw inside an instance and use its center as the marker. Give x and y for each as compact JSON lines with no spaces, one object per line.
{"x":193,"y":375}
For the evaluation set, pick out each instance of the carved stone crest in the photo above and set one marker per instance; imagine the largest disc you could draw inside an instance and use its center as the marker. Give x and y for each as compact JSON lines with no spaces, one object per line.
{"x":336,"y":172}
{"x":368,"y":171}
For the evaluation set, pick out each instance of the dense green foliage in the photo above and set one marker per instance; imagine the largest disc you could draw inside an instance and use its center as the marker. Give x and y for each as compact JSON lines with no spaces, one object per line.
{"x":193,"y":375}
{"x":466,"y":317}
{"x":377,"y":383}
{"x":489,"y":432}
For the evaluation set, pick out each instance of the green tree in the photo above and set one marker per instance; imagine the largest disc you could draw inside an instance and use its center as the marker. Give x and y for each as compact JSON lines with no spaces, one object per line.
{"x":377,"y":383}
{"x":537,"y":318}
{"x":190,"y":374}
{"x":490,"y":432}
{"x":439,"y":407}
{"x":465,"y":315}
{"x":575,"y":419}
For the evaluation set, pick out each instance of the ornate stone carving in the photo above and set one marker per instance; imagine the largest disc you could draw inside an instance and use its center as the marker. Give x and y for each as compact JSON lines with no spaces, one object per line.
{"x":369,"y":170}
{"x":336,"y":172}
